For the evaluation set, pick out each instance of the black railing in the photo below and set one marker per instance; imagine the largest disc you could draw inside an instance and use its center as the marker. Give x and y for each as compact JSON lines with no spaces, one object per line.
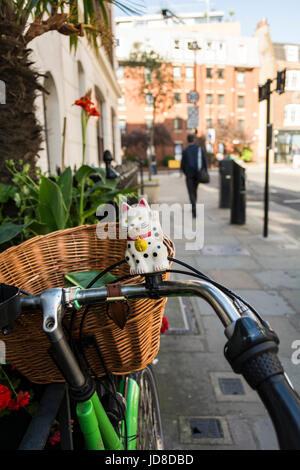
{"x":126,"y":173}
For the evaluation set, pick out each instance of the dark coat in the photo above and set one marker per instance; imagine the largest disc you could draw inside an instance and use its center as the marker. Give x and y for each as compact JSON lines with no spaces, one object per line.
{"x":189,"y":161}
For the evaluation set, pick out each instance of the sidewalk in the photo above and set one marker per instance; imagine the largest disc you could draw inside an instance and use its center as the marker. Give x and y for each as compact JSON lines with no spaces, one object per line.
{"x":203,"y":405}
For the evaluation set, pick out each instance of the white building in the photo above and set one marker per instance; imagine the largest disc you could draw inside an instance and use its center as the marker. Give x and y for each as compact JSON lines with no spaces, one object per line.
{"x":68,"y":76}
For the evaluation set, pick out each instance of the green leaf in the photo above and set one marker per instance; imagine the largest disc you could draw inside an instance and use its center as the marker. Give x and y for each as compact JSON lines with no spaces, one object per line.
{"x":38,"y":229}
{"x":65,"y":182}
{"x":108,"y":185}
{"x":9,"y":231}
{"x":86,"y":170}
{"x":7,"y":191}
{"x":83,"y":279}
{"x":51,"y":207}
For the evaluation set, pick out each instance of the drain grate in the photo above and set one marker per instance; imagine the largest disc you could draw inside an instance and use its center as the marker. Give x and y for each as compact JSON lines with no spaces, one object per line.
{"x":230,"y":386}
{"x":206,"y":428}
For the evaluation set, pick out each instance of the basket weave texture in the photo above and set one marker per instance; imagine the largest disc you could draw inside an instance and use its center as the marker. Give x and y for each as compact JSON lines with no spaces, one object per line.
{"x":41,"y":263}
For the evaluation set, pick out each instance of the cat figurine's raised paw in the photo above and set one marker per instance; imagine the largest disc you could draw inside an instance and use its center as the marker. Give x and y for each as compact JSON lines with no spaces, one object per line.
{"x":145,"y":252}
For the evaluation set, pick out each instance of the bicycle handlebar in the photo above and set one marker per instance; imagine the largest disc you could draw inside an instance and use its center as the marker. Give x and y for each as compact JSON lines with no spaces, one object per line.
{"x":251,"y":348}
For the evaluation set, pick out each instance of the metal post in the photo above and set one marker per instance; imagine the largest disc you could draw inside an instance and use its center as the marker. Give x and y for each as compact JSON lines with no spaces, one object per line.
{"x":142,"y":177}
{"x":268,"y":144}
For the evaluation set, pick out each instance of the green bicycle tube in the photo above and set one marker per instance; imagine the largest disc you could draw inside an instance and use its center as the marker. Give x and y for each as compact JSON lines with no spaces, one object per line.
{"x":89,"y":425}
{"x":109,"y":435}
{"x":132,"y":410}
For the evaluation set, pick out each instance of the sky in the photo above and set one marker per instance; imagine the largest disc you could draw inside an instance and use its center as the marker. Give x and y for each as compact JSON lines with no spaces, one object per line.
{"x":283,"y":15}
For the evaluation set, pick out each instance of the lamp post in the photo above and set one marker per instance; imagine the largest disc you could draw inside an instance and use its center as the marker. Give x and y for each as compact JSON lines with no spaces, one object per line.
{"x":194,"y":46}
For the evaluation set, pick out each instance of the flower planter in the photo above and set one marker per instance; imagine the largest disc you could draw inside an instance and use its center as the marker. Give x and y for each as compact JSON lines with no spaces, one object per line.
{"x":151,"y":190}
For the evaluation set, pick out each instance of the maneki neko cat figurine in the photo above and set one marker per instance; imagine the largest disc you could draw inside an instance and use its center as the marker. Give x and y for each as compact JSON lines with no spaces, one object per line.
{"x":146,"y":252}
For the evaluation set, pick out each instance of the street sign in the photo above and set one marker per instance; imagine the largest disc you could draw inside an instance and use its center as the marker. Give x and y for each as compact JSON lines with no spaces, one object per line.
{"x":193,"y":96}
{"x":193,"y":117}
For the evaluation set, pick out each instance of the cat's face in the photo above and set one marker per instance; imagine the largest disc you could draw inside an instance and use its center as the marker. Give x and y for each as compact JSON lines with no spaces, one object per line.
{"x":136,"y":220}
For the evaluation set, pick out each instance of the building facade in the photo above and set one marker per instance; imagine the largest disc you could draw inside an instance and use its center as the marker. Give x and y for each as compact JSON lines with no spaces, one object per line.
{"x":212,"y":59}
{"x":67,"y":77}
{"x":285,"y":107}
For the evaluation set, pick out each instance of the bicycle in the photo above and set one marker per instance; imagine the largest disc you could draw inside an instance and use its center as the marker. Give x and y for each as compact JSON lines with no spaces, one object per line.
{"x":133,"y":420}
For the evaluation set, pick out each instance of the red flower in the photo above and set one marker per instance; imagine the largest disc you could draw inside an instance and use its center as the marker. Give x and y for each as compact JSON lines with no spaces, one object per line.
{"x":88,"y":105}
{"x":164,"y":325}
{"x":5,"y":397}
{"x":19,"y":402}
{"x":84,"y":102}
{"x":93,"y":112}
{"x":55,"y":437}
{"x":23,"y":398}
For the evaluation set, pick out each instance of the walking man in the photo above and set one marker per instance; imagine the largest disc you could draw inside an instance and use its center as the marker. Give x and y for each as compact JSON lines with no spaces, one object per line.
{"x":193,"y":159}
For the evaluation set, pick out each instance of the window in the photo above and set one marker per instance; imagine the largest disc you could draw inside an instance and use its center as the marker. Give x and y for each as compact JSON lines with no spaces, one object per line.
{"x":149,"y":99}
{"x":240,"y":77}
{"x":292,"y":115}
{"x":177,"y":124}
{"x":292,"y":53}
{"x":292,"y":80}
{"x":209,"y":98}
{"x":208,"y":73}
{"x":221,"y":122}
{"x":242,"y":53}
{"x":122,"y":124}
{"x":177,"y":98}
{"x":189,"y":73}
{"x":177,"y":44}
{"x":241,"y":124}
{"x":241,"y":101}
{"x":121,"y":101}
{"x":120,"y":72}
{"x":220,"y":51}
{"x":221,"y":74}
{"x":221,"y":99}
{"x":209,"y":123}
{"x":176,"y":73}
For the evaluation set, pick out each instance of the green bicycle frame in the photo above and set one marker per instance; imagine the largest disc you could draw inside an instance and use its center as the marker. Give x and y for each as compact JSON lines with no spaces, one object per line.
{"x":96,"y":427}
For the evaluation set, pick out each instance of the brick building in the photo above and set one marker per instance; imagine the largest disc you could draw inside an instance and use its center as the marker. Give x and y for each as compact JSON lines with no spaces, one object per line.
{"x":224,"y":70}
{"x":285,"y":108}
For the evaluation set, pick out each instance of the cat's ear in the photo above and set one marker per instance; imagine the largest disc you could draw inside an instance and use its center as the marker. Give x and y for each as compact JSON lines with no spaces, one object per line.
{"x":125,"y":207}
{"x":144,"y":203}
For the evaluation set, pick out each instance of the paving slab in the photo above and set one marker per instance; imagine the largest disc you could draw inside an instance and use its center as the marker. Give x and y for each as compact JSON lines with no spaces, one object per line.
{"x":241,"y":433}
{"x":267,"y":302}
{"x":227,"y":262}
{"x":276,"y":279}
{"x":292,"y":296}
{"x":264,"y":432}
{"x":213,"y":332}
{"x":184,"y":343}
{"x":235,"y":278}
{"x":286,"y":332}
{"x":279,"y":262}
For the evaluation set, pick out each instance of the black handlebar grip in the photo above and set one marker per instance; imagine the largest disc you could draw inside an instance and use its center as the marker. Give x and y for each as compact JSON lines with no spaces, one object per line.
{"x":283,"y":406}
{"x":261,"y":367}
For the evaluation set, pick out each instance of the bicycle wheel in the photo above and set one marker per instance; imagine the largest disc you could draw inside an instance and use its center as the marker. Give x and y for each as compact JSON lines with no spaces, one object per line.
{"x":149,"y":432}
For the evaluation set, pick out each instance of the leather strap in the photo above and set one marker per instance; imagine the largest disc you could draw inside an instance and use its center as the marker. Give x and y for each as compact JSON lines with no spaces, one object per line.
{"x":118,"y":310}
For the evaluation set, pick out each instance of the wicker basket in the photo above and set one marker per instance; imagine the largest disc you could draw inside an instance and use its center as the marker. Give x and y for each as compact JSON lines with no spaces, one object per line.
{"x":41,"y":263}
